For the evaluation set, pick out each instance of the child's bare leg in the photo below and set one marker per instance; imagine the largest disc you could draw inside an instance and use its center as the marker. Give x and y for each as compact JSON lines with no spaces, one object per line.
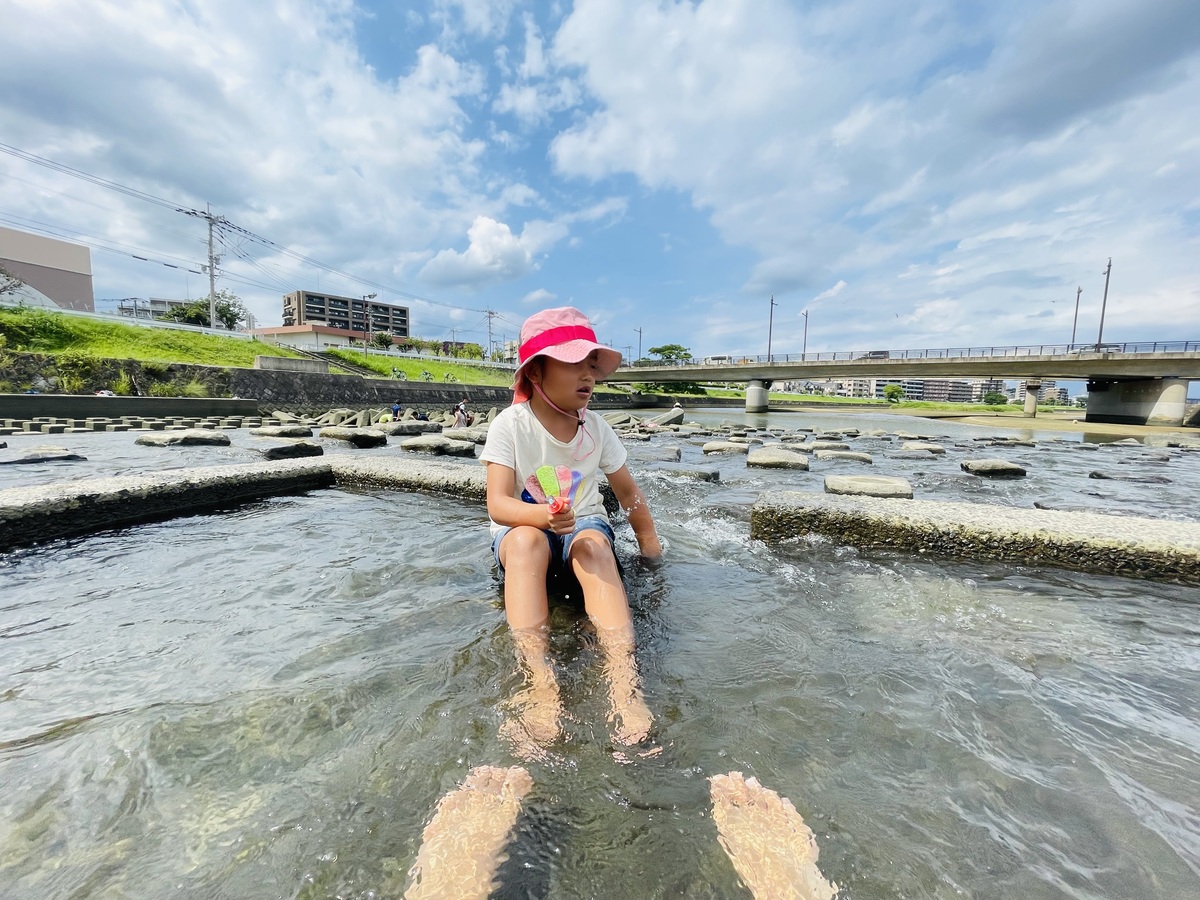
{"x":604,"y":598}
{"x":461,"y":848}
{"x":773,"y":851}
{"x":525,"y":554}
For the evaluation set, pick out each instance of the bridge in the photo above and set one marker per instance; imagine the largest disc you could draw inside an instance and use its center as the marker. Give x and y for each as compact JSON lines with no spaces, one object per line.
{"x":1135,"y":383}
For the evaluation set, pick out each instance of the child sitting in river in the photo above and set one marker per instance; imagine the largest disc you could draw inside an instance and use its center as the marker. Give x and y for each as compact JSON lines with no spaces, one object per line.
{"x":549,"y":424}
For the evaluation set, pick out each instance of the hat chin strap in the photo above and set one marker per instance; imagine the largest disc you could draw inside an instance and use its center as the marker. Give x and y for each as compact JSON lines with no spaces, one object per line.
{"x":578,"y":417}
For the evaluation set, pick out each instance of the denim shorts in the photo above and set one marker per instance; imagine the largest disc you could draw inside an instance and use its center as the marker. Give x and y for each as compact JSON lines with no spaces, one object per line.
{"x":560,"y":544}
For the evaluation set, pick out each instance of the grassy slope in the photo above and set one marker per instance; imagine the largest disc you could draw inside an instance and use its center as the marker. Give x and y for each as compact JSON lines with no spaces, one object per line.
{"x":33,"y":331}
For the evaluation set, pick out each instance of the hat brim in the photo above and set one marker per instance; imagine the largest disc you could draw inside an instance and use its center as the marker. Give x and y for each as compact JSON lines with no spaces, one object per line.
{"x":571,"y":352}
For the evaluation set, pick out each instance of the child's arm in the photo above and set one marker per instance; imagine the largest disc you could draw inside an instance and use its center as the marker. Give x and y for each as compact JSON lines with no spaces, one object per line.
{"x":506,"y":509}
{"x":638,"y":510}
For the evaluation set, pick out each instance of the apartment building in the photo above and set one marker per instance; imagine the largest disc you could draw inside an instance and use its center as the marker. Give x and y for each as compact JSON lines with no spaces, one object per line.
{"x":362,"y":315}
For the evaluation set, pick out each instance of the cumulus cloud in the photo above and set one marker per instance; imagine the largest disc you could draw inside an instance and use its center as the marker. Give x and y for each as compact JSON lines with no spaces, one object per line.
{"x":494,"y":255}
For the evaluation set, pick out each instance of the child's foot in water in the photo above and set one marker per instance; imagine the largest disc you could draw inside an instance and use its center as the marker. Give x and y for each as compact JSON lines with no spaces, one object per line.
{"x":771,"y":848}
{"x":631,"y":719}
{"x":533,"y":724}
{"x":462,"y":847}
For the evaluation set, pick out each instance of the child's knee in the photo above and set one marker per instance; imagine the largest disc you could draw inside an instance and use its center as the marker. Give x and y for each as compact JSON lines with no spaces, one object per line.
{"x":525,"y":545}
{"x":593,"y":554}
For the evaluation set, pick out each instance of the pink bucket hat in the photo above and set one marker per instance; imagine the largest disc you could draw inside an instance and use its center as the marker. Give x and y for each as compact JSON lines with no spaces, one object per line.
{"x":564,"y":334}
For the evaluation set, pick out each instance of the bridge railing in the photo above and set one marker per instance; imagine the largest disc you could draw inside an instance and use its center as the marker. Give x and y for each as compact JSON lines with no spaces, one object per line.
{"x":939,"y":353}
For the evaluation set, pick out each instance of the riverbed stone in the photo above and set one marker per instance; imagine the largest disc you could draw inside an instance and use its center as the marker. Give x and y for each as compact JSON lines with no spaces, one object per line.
{"x":687,"y":470}
{"x":282,"y":431}
{"x":437,"y":445}
{"x":711,"y":447}
{"x":868,"y":486}
{"x":923,"y":445}
{"x":187,"y":438}
{"x":826,"y":445}
{"x":993,"y":468}
{"x":43,"y":454}
{"x":471,"y":435}
{"x":1136,"y":479}
{"x":358,"y":437}
{"x":849,"y":455}
{"x":776,"y":458}
{"x":292,"y":450}
{"x":656,"y":454}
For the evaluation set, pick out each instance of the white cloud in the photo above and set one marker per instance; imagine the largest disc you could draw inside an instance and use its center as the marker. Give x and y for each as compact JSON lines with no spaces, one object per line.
{"x":540,"y":297}
{"x":494,"y":254}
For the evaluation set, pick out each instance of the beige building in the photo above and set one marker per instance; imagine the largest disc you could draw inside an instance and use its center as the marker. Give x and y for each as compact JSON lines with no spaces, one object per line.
{"x":59,"y":270}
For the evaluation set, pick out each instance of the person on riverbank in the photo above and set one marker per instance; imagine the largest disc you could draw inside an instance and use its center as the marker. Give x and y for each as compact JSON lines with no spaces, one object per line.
{"x":536,"y":541}
{"x":462,"y":418}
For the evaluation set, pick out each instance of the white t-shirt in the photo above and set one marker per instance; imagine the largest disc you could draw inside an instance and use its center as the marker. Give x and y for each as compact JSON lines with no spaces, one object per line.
{"x":516,"y":439}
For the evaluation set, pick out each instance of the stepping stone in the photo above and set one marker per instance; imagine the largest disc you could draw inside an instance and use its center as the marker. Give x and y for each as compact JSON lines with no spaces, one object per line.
{"x":724,"y":447}
{"x":921,"y":445}
{"x":359,"y":437}
{"x":700,"y":473}
{"x":852,"y":455}
{"x":292,"y":450}
{"x":776,"y":458}
{"x":993,"y":468}
{"x":437,"y":445}
{"x":188,"y":438}
{"x":868,"y":486}
{"x":112,"y":426}
{"x":288,"y":431}
{"x":411,"y":426}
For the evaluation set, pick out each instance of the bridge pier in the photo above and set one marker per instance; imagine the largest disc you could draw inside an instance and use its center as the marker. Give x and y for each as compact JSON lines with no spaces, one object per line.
{"x":757,"y":398}
{"x":1032,"y":389}
{"x":1137,"y":401}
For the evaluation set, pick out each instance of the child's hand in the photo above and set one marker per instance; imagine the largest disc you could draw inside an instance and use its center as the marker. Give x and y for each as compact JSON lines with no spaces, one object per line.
{"x":650,"y":547}
{"x":561,"y":521}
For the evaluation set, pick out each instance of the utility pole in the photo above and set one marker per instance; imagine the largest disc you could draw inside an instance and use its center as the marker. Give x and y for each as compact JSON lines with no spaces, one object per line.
{"x":213,"y":259}
{"x":804,"y":348}
{"x":1103,"y":304}
{"x":639,"y":331}
{"x":490,"y":313}
{"x":1074,"y":324}
{"x":770,"y":325}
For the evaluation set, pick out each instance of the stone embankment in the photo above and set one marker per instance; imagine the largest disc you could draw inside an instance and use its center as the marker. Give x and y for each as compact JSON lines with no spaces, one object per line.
{"x":863,"y":510}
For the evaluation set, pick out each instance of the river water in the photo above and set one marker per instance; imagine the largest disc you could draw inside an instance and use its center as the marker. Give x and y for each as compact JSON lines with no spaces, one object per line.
{"x":268,"y":702}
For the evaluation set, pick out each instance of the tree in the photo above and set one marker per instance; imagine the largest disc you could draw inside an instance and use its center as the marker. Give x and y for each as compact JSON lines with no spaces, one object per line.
{"x":672,"y":352}
{"x":893,"y":393}
{"x":994,"y":398}
{"x":9,"y":282}
{"x":382,"y":340}
{"x":230,"y":311}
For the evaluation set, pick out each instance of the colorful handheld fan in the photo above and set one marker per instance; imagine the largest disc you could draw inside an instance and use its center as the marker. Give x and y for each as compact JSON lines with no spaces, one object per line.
{"x":555,"y":485}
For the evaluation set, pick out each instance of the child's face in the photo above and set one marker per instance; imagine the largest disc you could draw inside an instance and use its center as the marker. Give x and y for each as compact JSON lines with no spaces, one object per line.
{"x":569,"y":385}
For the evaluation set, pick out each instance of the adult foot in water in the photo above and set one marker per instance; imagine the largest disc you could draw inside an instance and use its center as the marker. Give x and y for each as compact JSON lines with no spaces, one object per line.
{"x":462,"y":847}
{"x":771,"y":848}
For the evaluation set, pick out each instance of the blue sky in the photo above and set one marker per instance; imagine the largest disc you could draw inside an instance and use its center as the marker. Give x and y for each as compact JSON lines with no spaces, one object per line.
{"x":929,"y":174}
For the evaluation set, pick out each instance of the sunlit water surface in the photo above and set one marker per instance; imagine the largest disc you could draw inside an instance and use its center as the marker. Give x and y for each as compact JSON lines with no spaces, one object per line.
{"x":269,"y":701}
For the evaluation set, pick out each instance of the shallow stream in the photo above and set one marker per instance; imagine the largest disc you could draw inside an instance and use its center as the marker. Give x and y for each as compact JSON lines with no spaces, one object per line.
{"x":268,"y":702}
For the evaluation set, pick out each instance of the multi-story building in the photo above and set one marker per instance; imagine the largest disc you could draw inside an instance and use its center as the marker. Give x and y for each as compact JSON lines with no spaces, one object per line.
{"x":152,"y":308}
{"x":363,"y":315}
{"x":55,"y":270}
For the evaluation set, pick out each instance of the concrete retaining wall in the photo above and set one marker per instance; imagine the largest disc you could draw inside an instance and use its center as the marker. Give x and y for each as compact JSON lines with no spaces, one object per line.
{"x":1113,"y":545}
{"x":80,"y":406}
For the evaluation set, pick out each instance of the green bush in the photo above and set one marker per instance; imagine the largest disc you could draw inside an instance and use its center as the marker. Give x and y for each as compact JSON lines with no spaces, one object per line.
{"x":195,"y":388}
{"x":70,"y":384}
{"x":123,"y":385}
{"x":163,"y":389}
{"x":155,"y":369}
